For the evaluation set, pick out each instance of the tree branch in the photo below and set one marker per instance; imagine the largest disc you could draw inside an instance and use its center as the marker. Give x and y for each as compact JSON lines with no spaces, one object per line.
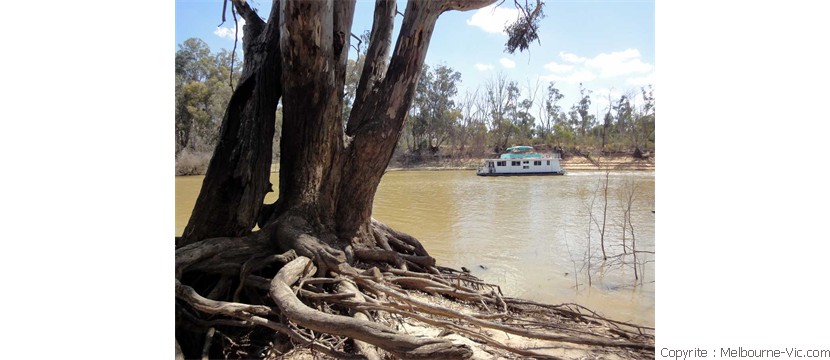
{"x":405,"y":65}
{"x":342,"y":23}
{"x":465,"y":5}
{"x":253,"y":23}
{"x":359,"y":43}
{"x":374,"y":65}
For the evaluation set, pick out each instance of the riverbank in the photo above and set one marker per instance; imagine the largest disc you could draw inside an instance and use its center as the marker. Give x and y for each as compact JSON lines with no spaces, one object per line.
{"x":570,"y":163}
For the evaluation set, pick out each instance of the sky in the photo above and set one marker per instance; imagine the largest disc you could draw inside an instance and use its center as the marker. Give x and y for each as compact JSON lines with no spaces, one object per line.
{"x":607,"y":45}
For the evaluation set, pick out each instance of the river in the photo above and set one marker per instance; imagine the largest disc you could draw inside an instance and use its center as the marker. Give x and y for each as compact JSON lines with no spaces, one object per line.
{"x":528,"y":234}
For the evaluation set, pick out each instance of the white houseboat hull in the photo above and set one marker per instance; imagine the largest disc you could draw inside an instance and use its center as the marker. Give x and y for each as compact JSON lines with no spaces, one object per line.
{"x":517,"y":167}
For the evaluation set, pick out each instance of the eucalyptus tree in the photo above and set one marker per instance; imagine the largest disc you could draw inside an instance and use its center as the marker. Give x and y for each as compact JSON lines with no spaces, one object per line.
{"x":502,"y":96}
{"x":202,"y":92}
{"x":321,"y":227}
{"x":644,"y":122}
{"x":472,"y":128}
{"x":435,"y":111}
{"x":623,"y":121}
{"x":549,"y":110}
{"x":583,"y":107}
{"x":524,"y":122}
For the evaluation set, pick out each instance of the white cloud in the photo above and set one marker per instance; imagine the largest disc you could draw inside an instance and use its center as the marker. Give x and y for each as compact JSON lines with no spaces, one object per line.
{"x":577,"y":69}
{"x":493,"y":19}
{"x":558,"y":68}
{"x":641,"y":81}
{"x":574,"y":78}
{"x":619,"y":63}
{"x":507,"y":63}
{"x":571,"y":58}
{"x":483,"y":67}
{"x":228,"y":32}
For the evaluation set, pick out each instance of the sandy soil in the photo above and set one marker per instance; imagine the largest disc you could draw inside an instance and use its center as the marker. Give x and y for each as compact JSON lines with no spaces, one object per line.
{"x":485,"y":351}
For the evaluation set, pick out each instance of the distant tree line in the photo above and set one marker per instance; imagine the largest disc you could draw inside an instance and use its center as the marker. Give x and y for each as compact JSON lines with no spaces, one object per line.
{"x":441,"y":122}
{"x":202,"y":91}
{"x":204,"y":85}
{"x":501,"y":113}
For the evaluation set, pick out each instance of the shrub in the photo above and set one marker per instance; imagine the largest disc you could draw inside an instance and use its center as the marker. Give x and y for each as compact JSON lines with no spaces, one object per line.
{"x":190,"y":162}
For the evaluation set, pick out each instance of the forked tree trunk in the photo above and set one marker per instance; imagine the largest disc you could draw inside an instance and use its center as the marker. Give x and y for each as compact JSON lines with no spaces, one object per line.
{"x":328,"y":174}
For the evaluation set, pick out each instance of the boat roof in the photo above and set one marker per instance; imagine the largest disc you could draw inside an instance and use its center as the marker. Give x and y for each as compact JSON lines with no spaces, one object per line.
{"x":520,"y":148}
{"x":521,"y":156}
{"x":520,"y":152}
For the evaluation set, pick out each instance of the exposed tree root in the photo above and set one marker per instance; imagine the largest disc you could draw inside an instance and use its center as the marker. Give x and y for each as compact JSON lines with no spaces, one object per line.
{"x":386,"y":301}
{"x":402,"y":345}
{"x":350,"y":289}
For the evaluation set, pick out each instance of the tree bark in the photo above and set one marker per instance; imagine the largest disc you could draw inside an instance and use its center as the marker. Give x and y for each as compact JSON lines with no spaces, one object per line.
{"x":380,"y":119}
{"x":374,"y":65}
{"x":237,"y":178}
{"x":327,"y":175}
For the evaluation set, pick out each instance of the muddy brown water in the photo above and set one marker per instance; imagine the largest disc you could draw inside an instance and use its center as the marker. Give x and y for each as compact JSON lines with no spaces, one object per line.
{"x":528,"y":234}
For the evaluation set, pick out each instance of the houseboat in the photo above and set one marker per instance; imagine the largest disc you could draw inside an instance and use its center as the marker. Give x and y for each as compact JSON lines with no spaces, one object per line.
{"x":521,"y":160}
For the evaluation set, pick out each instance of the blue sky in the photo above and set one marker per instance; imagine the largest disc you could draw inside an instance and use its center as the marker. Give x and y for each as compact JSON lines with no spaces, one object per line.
{"x":607,"y":45}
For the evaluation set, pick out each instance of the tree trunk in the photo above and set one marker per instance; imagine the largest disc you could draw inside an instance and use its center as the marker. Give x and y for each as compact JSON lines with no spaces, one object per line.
{"x":237,"y":178}
{"x":312,"y":110}
{"x":328,"y":176}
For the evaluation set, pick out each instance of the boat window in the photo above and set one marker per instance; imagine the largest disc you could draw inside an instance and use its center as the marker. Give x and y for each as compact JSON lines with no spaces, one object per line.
{"x":515,"y":163}
{"x":537,"y":163}
{"x":525,"y":162}
{"x":525,"y":167}
{"x":501,"y":163}
{"x":548,"y":162}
